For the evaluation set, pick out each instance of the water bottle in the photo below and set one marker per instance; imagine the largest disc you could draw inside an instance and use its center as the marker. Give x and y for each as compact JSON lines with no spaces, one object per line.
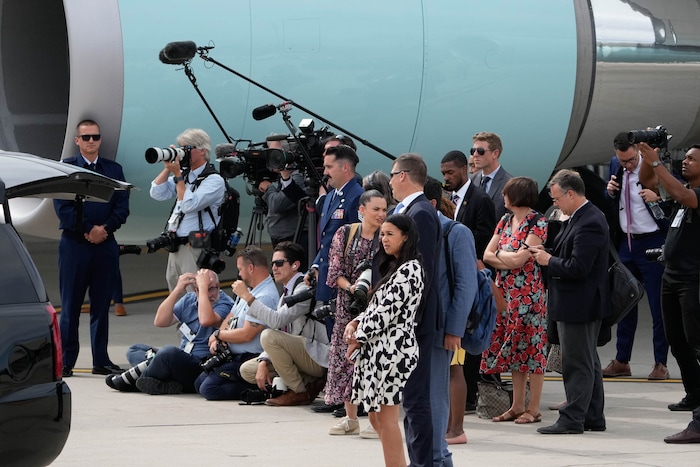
{"x":233,"y":240}
{"x":656,"y":210}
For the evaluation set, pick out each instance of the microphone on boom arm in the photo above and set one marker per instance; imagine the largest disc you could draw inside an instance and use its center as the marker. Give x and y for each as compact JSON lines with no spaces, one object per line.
{"x":178,"y":53}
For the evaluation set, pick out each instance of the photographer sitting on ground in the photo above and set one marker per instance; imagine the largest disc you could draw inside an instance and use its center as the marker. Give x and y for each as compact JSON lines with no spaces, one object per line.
{"x":197,"y":204}
{"x":173,"y":370}
{"x":238,"y":339}
{"x":298,"y":353}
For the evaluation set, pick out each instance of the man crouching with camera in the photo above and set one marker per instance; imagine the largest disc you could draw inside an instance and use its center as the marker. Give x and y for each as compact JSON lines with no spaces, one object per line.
{"x":295,"y":346}
{"x":238,"y":339}
{"x":199,"y":192}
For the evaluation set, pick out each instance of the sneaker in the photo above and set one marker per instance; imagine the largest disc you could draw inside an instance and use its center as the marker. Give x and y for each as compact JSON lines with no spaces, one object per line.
{"x":616,"y":368}
{"x":369,"y":433}
{"x":118,"y":383}
{"x":156,"y":386}
{"x":345,"y":426}
{"x":659,"y":372}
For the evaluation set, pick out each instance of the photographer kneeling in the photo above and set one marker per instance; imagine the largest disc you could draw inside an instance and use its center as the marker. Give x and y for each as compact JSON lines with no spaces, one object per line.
{"x":295,"y":347}
{"x":238,"y":339}
{"x":199,"y":191}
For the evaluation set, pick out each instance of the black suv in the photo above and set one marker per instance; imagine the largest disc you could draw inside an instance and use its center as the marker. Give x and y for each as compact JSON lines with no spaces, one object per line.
{"x":35,"y":403}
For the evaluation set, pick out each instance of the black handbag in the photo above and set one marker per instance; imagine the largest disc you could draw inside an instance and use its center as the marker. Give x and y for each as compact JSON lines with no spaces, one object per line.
{"x":625,"y":290}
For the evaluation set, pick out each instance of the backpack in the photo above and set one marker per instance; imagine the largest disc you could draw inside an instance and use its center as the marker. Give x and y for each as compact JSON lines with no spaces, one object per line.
{"x":482,"y":316}
{"x":229,"y":212}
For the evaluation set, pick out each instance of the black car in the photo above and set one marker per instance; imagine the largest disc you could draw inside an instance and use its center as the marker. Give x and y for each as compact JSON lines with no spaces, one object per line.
{"x":35,"y":403}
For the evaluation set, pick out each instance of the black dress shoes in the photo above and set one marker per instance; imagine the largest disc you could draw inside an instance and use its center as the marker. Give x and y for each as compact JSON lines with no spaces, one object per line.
{"x":685,"y":405}
{"x":66,"y":372}
{"x":110,"y":369}
{"x":684,"y":437}
{"x":594,"y":428}
{"x":325,"y":408}
{"x":559,"y":430}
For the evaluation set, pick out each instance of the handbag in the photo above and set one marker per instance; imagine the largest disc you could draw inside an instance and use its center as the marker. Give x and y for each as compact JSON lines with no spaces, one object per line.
{"x":625,"y":290}
{"x":495,"y":397}
{"x":497,"y":292}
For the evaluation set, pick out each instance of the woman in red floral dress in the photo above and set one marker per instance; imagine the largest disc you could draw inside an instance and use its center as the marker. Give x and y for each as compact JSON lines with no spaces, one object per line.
{"x":520,"y":337}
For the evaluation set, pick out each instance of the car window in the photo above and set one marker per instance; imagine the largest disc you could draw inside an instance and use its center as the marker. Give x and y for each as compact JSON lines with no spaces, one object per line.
{"x":16,"y":272}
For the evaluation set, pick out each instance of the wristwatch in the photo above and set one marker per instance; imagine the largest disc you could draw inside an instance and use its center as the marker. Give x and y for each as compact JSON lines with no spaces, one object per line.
{"x":655,"y":164}
{"x":216,"y":334}
{"x":178,"y":179}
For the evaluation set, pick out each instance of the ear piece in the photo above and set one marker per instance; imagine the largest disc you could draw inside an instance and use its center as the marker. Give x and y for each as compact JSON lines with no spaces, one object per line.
{"x":294,"y":267}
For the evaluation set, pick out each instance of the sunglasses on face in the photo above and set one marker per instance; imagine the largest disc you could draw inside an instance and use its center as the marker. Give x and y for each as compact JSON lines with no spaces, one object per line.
{"x":87,"y":137}
{"x":279,"y":263}
{"x":479,"y":151}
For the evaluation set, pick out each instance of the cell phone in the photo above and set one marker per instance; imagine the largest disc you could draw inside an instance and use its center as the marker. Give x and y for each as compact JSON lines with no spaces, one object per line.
{"x":525,"y":245}
{"x":354,"y":354}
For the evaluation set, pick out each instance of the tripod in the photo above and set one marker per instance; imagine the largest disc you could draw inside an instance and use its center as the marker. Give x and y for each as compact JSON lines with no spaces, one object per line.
{"x":257,"y":223}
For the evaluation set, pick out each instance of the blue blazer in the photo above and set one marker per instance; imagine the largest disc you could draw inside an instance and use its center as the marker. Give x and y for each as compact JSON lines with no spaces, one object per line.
{"x":342,"y":210}
{"x":577,"y":273}
{"x":111,"y":214}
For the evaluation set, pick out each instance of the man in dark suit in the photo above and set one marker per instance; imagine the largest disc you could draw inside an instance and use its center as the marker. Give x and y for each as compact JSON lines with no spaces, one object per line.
{"x":475,"y":209}
{"x":491,"y":176}
{"x":408,"y":175}
{"x":577,"y":271}
{"x":88,"y":255}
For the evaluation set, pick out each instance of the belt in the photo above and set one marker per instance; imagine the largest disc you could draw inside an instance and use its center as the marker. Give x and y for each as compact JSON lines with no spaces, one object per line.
{"x":182,"y":240}
{"x":645,"y":235}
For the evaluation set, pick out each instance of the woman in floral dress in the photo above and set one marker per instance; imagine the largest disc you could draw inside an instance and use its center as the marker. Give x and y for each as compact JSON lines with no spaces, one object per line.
{"x":519,"y":339}
{"x":343,"y":273}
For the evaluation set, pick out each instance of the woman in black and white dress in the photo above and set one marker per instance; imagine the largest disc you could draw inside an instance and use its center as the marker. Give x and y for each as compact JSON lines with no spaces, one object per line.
{"x":384,"y":335}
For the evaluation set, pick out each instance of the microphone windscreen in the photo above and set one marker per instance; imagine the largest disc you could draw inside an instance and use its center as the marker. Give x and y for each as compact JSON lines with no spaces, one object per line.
{"x":177,"y":53}
{"x":276,"y":138}
{"x":224,"y":150}
{"x":264,"y":111}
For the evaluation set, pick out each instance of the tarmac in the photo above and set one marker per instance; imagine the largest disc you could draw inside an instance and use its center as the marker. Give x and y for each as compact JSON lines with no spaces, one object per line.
{"x":112,"y":428}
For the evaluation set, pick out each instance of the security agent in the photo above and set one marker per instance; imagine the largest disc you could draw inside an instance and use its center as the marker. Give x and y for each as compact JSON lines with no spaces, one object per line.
{"x":197,"y":204}
{"x":295,"y":346}
{"x":680,"y":303}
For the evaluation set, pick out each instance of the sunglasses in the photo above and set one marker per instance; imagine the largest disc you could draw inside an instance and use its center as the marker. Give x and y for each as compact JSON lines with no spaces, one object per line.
{"x":479,"y":151}
{"x":279,"y":263}
{"x":87,"y":137}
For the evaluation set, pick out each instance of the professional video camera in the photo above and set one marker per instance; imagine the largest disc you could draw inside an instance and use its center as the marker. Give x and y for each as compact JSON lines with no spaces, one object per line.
{"x":364,"y":283}
{"x":183,"y":153}
{"x":656,"y":138}
{"x":251,"y":162}
{"x":223,"y":355}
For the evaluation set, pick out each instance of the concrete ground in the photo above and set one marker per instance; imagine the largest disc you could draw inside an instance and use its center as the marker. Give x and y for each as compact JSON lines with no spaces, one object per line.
{"x":112,"y":428}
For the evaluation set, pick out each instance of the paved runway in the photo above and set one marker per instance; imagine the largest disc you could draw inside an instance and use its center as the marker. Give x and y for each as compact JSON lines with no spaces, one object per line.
{"x":111,"y":428}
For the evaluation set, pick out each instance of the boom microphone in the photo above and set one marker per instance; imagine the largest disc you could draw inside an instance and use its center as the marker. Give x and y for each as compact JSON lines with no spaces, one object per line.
{"x":264,"y":111}
{"x":224,"y":150}
{"x":177,"y":53}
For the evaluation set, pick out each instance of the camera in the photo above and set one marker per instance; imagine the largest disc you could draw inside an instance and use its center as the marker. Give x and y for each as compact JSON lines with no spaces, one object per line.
{"x":323,"y":310}
{"x":364,"y":284}
{"x":209,"y":259}
{"x":259,"y":396}
{"x":656,"y":138}
{"x":154,"y":155}
{"x":655,"y":255}
{"x":307,"y":294}
{"x":223,"y":355}
{"x":252,"y":163}
{"x":167,"y":240}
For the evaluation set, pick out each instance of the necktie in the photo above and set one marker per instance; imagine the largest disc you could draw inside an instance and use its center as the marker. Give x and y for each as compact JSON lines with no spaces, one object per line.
{"x":455,"y":199}
{"x":90,"y":166}
{"x":285,"y":291}
{"x":628,"y":210}
{"x":484,"y":182}
{"x":398,"y":208}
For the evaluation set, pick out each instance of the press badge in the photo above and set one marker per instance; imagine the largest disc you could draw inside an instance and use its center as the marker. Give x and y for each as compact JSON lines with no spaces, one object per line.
{"x":186,"y":332}
{"x":678,"y":219}
{"x":338,"y":214}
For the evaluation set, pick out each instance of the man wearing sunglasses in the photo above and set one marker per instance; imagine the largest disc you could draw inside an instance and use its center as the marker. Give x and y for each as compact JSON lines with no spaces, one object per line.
{"x":295,"y":346}
{"x":490,"y":176}
{"x":635,"y":230}
{"x":88,"y":255}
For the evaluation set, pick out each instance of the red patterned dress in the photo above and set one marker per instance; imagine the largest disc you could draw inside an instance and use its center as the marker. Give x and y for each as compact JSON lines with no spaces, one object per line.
{"x":519,"y":339}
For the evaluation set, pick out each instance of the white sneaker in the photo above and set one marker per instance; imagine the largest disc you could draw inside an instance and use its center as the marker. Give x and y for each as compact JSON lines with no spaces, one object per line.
{"x":346,"y":426}
{"x":369,"y":433}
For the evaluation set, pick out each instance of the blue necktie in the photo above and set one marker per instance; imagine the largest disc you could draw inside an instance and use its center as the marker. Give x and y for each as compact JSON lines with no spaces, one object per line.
{"x":398,"y":208}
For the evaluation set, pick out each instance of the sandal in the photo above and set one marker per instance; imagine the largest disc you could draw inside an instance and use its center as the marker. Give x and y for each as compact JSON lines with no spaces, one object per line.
{"x":523,"y":419}
{"x":507,"y":416}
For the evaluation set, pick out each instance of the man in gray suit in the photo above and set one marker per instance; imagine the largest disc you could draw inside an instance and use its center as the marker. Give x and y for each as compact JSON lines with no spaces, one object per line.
{"x":577,"y":273}
{"x":490,"y":176}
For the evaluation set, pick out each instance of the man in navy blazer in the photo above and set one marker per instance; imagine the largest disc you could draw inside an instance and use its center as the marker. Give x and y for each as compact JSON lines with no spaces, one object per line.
{"x":340,"y":207}
{"x":88,"y":255}
{"x":408,"y":175}
{"x":577,"y":271}
{"x":491,"y":176}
